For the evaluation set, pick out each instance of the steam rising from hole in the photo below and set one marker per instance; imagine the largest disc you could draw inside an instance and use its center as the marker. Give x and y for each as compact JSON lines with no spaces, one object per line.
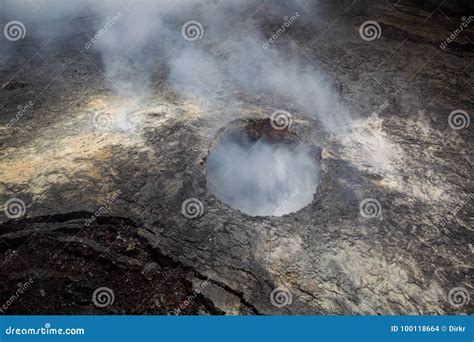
{"x":140,"y":44}
{"x":261,"y":176}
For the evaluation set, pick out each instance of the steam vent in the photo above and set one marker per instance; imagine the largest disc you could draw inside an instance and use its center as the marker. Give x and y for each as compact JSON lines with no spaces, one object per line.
{"x":261,"y":170}
{"x":236,"y":157}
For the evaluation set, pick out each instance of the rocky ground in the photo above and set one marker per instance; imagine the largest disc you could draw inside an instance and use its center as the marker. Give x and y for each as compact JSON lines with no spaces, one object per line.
{"x":414,"y":257}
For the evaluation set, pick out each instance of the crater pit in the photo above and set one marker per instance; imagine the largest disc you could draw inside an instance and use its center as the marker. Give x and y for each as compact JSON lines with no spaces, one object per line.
{"x":261,"y":170}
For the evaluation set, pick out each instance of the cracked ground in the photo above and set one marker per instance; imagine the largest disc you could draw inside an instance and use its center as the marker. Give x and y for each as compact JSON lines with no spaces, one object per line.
{"x":103,"y":207}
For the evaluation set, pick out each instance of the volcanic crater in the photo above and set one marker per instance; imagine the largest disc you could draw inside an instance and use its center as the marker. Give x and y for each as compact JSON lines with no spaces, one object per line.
{"x":262,"y":169}
{"x":146,"y":204}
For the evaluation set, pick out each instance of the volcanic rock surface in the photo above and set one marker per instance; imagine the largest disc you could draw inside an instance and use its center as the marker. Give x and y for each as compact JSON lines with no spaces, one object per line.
{"x":398,"y":149}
